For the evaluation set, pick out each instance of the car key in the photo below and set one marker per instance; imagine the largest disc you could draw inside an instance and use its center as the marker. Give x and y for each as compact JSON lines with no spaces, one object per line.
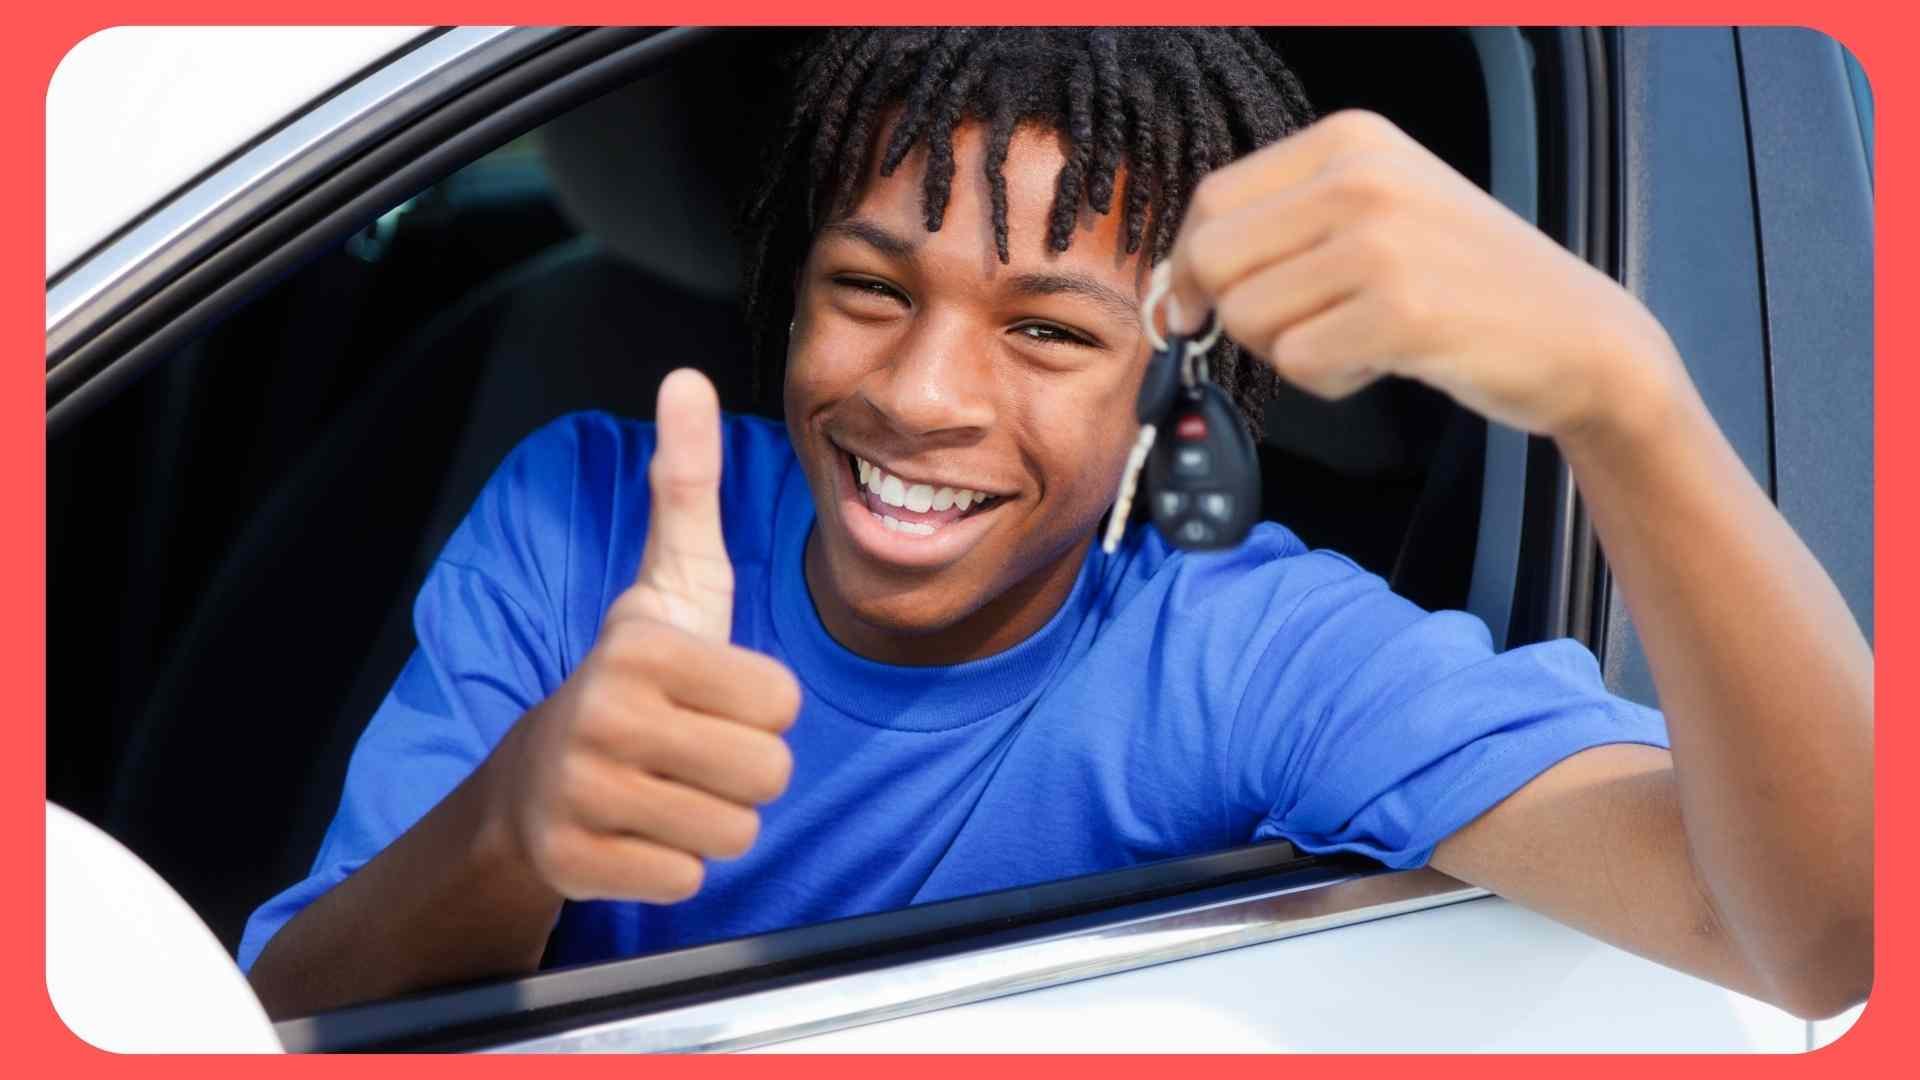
{"x":1204,"y":479}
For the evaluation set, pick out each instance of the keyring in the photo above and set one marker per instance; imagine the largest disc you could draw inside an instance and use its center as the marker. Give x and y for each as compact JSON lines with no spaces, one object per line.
{"x":1158,"y":286}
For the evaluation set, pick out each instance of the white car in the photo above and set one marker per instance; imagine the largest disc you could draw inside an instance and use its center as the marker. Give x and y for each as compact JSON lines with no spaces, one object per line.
{"x":305,"y":288}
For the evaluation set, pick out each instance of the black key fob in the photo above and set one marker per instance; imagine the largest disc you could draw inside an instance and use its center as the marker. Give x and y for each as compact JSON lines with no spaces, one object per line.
{"x":1203,"y":475}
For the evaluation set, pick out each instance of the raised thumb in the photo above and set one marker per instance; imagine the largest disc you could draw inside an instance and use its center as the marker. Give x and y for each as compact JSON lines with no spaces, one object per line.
{"x":685,"y":561}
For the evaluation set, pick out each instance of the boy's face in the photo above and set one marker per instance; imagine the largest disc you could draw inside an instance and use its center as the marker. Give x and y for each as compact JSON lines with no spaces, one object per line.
{"x":924,"y":356}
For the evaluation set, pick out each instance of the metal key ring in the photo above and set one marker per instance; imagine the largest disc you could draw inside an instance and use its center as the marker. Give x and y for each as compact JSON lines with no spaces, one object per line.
{"x":1158,"y":286}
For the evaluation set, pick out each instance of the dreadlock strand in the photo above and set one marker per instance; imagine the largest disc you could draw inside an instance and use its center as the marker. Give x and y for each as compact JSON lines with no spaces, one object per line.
{"x":881,"y":84}
{"x":1112,"y":112}
{"x":1139,"y":194}
{"x":1231,"y":72}
{"x":829,"y":144}
{"x":1006,"y":116}
{"x":1067,"y":189}
{"x":941,"y":59}
{"x":971,"y":72}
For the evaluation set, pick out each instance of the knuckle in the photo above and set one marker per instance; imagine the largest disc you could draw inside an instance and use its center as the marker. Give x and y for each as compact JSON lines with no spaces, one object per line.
{"x":1408,"y":308}
{"x":677,"y":876}
{"x":1239,"y":308}
{"x":1207,"y":254}
{"x":669,"y":745}
{"x":601,"y":714}
{"x":784,"y":697}
{"x":1377,"y":250}
{"x":555,"y":855}
{"x":772,"y":767}
{"x":738,"y":829}
{"x":1361,"y":125}
{"x":1363,"y":185}
{"x":1298,"y":358}
{"x":626,"y":631}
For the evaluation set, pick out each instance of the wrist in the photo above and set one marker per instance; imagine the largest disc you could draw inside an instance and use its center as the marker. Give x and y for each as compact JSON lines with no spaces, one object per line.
{"x":1639,"y":402}
{"x":497,"y":847}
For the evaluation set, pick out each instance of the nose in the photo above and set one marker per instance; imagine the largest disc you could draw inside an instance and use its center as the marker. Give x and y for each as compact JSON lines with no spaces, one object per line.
{"x":939,"y":380}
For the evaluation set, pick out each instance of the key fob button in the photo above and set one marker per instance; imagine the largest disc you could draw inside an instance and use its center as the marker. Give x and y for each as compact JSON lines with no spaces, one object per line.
{"x":1169,"y":504}
{"x":1217,"y":505}
{"x":1192,"y":461}
{"x":1196,"y":532}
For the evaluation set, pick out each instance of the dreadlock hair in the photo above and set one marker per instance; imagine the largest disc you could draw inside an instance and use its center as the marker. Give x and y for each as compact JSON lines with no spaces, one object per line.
{"x":1170,"y":105}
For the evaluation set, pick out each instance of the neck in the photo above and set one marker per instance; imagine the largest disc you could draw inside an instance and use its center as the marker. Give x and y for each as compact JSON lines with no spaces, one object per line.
{"x":994,"y":627}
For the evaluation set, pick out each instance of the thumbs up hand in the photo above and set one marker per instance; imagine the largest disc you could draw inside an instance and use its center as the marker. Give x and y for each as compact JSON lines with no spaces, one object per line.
{"x":685,"y":579}
{"x":655,"y":751}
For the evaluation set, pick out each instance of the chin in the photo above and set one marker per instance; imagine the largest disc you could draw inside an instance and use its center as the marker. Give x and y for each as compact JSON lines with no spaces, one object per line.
{"x":906,"y":608}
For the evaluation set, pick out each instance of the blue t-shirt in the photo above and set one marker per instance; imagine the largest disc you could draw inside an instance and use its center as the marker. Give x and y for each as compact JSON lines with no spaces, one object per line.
{"x":1176,"y":704}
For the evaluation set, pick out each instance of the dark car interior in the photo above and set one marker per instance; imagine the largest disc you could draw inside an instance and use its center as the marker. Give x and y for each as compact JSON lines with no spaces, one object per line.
{"x":234,"y":543}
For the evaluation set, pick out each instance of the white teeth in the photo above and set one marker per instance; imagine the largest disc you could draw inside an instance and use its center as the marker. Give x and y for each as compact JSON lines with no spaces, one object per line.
{"x":918,"y":498}
{"x":912,"y":528}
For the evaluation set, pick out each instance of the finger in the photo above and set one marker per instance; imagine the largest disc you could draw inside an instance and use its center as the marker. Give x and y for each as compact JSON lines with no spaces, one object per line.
{"x":598,"y":866}
{"x":1259,"y":307}
{"x":739,"y":684}
{"x":686,"y":555}
{"x":1337,"y":351}
{"x":718,"y":678}
{"x":611,"y":798}
{"x":1293,"y":160}
{"x":1256,"y":178}
{"x":732,"y":761}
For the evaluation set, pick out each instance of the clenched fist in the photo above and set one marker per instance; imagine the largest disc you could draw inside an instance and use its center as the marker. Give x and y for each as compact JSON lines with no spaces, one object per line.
{"x":1348,"y":251}
{"x":656,"y":750}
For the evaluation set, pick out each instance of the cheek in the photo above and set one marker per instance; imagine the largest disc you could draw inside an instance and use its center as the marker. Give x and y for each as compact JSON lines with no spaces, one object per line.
{"x":819,"y":373}
{"x":1081,"y":439}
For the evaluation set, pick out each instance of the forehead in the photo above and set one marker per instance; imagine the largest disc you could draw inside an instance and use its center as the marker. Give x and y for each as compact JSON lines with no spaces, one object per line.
{"x":1035,"y":156}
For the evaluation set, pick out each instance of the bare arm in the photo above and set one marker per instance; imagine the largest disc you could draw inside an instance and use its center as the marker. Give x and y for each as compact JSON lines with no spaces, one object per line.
{"x":449,"y":901}
{"x":1747,"y":858}
{"x":1347,"y":252}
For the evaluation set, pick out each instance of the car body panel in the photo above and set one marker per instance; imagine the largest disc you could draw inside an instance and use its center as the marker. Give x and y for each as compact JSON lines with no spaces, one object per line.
{"x":1688,"y":250}
{"x":1815,"y":196}
{"x":1479,"y":975}
{"x":134,"y":112}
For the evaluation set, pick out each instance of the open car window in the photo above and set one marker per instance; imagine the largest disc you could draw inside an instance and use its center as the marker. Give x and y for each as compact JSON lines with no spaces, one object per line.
{"x":253,"y":479}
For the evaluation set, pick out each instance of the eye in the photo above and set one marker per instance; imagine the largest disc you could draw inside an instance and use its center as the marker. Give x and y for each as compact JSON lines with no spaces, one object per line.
{"x":867,"y":286}
{"x":1051,"y":334}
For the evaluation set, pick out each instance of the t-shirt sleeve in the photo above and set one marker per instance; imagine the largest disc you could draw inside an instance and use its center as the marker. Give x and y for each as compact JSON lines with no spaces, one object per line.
{"x":490,"y":629}
{"x":1372,"y":726}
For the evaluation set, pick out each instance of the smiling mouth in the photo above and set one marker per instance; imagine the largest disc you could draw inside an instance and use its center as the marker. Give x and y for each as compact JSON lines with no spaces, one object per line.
{"x":913,"y":509}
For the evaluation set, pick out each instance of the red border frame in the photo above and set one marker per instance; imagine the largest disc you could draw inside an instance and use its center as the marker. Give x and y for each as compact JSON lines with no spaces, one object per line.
{"x":42,"y":35}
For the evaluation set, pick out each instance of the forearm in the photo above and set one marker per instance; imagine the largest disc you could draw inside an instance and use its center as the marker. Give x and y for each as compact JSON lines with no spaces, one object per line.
{"x":1766,"y":682}
{"x":448,"y":901}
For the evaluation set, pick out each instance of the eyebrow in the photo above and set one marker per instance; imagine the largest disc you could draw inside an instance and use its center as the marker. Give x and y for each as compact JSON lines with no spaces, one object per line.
{"x":1055,"y":283}
{"x":1040,"y":283}
{"x":872,"y":235}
